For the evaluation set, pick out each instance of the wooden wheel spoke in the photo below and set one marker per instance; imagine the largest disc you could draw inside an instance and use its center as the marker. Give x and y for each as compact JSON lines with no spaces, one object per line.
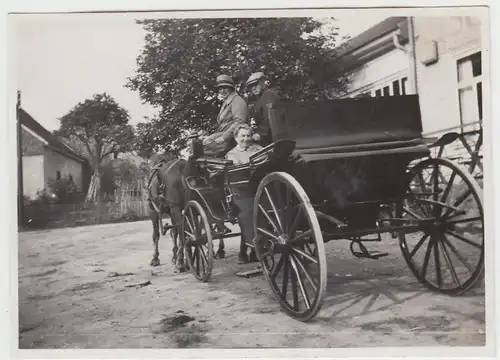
{"x":459,"y":221}
{"x":190,"y":227}
{"x":307,"y":256}
{"x":200,"y":252}
{"x":426,"y":259}
{"x":286,"y":270}
{"x":300,"y":282}
{"x":276,"y":229}
{"x":277,"y":268}
{"x":193,"y":221}
{"x":419,"y":205}
{"x":447,"y":190}
{"x":411,"y":213}
{"x":464,"y":239}
{"x":282,"y":205}
{"x":454,"y":226}
{"x":311,"y":252}
{"x":447,"y":259}
{"x":296,"y":219}
{"x":295,"y":294}
{"x":295,"y":274}
{"x":268,"y":233}
{"x":435,"y":180}
{"x":437,"y":263}
{"x":458,"y":255}
{"x":306,"y":273}
{"x":301,"y":236}
{"x":275,"y":210}
{"x":423,"y":187}
{"x":203,"y":256}
{"x":419,"y":244}
{"x":457,"y":203}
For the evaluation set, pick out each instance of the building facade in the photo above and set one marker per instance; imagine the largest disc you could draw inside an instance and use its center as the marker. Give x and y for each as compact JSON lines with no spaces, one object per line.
{"x":444,"y":68}
{"x":46,"y":159}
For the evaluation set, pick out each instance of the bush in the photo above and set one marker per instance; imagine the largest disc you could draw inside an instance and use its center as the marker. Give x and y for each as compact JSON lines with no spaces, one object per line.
{"x":66,"y":191}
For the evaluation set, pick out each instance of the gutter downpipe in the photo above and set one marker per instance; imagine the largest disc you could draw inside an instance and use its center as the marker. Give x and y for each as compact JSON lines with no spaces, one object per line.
{"x":410,"y":52}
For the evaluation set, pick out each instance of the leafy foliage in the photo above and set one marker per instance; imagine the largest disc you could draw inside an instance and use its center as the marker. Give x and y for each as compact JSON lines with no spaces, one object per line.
{"x":120,"y":172}
{"x":181,"y":59}
{"x":98,"y":125}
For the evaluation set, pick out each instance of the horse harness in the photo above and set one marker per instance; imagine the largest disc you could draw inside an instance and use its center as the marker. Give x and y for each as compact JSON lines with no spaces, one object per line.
{"x":155,"y":172}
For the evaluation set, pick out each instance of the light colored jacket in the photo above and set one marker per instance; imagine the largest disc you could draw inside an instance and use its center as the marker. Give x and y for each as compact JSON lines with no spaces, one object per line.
{"x":240,"y":156}
{"x":234,"y":111}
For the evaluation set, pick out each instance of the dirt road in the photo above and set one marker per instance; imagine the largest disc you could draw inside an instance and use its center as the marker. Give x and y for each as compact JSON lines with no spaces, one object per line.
{"x":92,"y":287}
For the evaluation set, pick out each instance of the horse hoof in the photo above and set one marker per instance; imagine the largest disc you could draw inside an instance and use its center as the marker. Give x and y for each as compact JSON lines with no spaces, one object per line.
{"x":155,"y":262}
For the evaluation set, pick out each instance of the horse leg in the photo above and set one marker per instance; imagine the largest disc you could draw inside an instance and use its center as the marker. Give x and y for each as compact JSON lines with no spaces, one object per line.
{"x":176,"y":213}
{"x":174,"y":233}
{"x":221,"y":254}
{"x":155,"y":218}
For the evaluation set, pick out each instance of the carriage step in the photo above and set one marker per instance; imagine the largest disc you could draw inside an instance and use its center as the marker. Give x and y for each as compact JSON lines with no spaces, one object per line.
{"x":370,"y":254}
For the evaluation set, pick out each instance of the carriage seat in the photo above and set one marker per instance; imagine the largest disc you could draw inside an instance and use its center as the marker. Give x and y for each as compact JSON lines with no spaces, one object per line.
{"x":351,"y":126}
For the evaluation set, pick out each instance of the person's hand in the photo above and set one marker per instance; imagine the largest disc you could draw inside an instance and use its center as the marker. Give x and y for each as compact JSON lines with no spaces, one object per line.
{"x":255,"y":137}
{"x":219,"y":140}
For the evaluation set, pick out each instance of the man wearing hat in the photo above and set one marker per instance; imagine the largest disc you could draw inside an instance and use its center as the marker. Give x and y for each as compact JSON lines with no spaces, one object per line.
{"x":233,"y":111}
{"x":256,"y":83}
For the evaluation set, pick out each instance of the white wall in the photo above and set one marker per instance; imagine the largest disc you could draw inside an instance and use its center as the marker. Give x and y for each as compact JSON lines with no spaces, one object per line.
{"x":384,"y":69}
{"x":54,"y":162}
{"x":456,"y":37}
{"x":33,"y":175}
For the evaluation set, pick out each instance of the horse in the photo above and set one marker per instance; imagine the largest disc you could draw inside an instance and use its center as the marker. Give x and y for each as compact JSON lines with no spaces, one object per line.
{"x":167,"y":195}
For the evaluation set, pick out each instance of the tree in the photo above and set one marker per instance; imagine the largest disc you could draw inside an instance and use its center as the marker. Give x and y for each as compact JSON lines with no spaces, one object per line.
{"x":181,"y":59}
{"x":102,"y":127}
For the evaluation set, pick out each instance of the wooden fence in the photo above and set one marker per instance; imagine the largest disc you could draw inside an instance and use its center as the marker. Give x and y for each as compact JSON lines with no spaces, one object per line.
{"x":128,"y":203}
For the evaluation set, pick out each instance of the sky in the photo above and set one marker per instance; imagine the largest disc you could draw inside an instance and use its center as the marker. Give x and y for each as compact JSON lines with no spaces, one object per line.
{"x":61,"y":60}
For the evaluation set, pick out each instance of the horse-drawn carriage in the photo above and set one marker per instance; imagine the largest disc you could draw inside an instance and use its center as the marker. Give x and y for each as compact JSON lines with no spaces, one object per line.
{"x":333,"y":167}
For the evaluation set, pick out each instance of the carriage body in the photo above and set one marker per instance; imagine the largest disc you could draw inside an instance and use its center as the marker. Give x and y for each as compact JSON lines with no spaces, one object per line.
{"x":335,"y":170}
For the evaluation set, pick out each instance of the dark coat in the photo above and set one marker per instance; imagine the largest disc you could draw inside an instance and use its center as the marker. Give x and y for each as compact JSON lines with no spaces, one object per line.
{"x":260,"y":114}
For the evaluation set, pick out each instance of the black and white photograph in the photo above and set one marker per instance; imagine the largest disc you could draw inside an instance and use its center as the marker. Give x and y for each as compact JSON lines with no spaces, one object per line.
{"x":257,"y":179}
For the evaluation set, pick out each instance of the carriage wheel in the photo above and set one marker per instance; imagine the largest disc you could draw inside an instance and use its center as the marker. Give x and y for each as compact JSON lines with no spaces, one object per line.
{"x":289,"y":245}
{"x":197,"y":240}
{"x":448,"y":254}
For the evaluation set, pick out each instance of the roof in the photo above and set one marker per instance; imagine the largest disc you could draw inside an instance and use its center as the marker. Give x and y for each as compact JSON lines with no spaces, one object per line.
{"x":382,"y":28}
{"x":51,"y":140}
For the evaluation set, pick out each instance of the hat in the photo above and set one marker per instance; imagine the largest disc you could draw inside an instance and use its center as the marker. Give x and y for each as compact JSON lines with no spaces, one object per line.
{"x":225,"y":80}
{"x":254,"y":78}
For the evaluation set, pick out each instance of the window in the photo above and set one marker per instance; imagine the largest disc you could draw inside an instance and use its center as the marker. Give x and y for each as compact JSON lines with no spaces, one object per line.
{"x":470,"y":90}
{"x":58,"y":175}
{"x":393,"y":88}
{"x":404,"y":81}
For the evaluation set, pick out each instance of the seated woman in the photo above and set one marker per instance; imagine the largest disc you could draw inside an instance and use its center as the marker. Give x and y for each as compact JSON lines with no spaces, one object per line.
{"x":242,"y":199}
{"x":244,"y":148}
